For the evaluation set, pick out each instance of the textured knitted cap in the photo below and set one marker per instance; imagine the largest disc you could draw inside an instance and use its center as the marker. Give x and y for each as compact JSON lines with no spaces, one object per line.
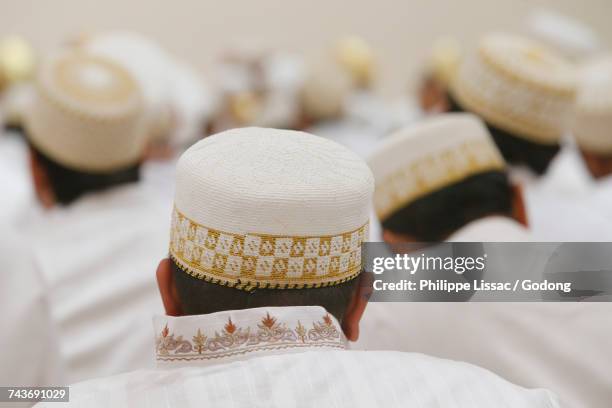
{"x":258,"y":207}
{"x":428,"y":156}
{"x":519,"y":86}
{"x":87,"y":114}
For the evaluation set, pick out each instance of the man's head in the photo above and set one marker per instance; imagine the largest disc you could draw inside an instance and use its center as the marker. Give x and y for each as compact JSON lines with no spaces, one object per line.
{"x":265,"y":217}
{"x":436,"y":177}
{"x":84,"y":128}
{"x":524,"y":93}
{"x":592,"y":126}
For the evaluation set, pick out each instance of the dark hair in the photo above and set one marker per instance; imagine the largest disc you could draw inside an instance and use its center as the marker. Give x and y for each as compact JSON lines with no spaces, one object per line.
{"x":515,"y":149}
{"x":69,"y":185}
{"x":200,"y":297}
{"x":434,"y":217}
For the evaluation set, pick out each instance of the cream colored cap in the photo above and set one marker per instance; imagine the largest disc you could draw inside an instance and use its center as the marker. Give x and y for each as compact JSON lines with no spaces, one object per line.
{"x":569,"y":36}
{"x":444,"y":59}
{"x":593,"y":117}
{"x":519,"y":86}
{"x":355,"y":55}
{"x":325,"y":91}
{"x":428,"y":156}
{"x":86,"y":114}
{"x":17,"y":59}
{"x":150,"y":66}
{"x":259,"y":207}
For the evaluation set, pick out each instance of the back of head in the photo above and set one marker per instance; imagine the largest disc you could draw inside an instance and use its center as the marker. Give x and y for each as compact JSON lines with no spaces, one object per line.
{"x":435,"y":177}
{"x":85,"y":124}
{"x":523,"y":91}
{"x":267,"y":217}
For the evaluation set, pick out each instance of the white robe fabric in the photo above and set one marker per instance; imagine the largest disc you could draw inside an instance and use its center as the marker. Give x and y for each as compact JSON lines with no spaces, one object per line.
{"x":286,"y":357}
{"x":312,"y":379}
{"x":97,"y":259}
{"x":563,"y":347}
{"x":29,"y":350}
{"x":15,"y":179}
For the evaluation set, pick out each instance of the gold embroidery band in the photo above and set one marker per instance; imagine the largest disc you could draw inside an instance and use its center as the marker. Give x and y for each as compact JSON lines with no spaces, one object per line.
{"x":250,"y":261}
{"x":433,"y":172}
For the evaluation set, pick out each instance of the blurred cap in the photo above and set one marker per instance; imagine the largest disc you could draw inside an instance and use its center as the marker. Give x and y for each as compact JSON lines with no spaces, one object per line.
{"x":444,"y":59}
{"x":518,"y":85}
{"x":429,"y":156}
{"x":355,"y":55}
{"x":326,"y":90}
{"x":17,"y":60}
{"x":87,"y":114}
{"x":149,"y":65}
{"x":566,"y":35}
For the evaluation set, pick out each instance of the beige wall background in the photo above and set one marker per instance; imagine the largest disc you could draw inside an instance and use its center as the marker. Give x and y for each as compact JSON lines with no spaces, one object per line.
{"x":401,"y":32}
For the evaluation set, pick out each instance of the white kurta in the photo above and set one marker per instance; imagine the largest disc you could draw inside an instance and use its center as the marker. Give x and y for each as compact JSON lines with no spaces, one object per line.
{"x":97,"y":258}
{"x":261,"y":357}
{"x":14,"y":175}
{"x":29,"y":353}
{"x":563,"y":347}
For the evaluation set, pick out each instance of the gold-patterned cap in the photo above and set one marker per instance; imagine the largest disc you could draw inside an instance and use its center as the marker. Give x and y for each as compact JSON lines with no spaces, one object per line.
{"x":519,"y":86}
{"x":87,"y":114}
{"x":269,"y":208}
{"x":429,"y":156}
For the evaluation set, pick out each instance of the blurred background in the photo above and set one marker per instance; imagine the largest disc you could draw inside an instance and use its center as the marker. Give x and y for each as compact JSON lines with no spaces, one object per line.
{"x":400,"y":32}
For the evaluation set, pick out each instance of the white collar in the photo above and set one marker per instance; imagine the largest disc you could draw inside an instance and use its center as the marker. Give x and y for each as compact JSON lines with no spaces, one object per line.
{"x":226,"y":336}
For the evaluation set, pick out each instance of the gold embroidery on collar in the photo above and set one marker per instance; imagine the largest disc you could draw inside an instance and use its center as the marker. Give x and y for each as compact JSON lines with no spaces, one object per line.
{"x":253,"y":261}
{"x":269,"y":334}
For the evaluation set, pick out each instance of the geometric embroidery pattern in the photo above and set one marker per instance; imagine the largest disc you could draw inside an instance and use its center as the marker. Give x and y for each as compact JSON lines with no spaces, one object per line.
{"x":252,"y":261}
{"x":269,"y":334}
{"x":434,"y":172}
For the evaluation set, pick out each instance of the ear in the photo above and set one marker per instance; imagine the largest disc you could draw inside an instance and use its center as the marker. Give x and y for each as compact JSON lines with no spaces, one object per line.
{"x":597,"y":165}
{"x":42,"y":186}
{"x":519,"y":212}
{"x":167,"y":289}
{"x":356,"y":307}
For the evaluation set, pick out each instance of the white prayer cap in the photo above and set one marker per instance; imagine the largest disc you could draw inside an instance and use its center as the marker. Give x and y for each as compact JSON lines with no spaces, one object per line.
{"x":86,"y":114}
{"x":428,"y":156}
{"x":519,"y":86}
{"x":149,"y":65}
{"x":593,"y":117}
{"x":326,"y":89}
{"x":259,"y":207}
{"x":568,"y":36}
